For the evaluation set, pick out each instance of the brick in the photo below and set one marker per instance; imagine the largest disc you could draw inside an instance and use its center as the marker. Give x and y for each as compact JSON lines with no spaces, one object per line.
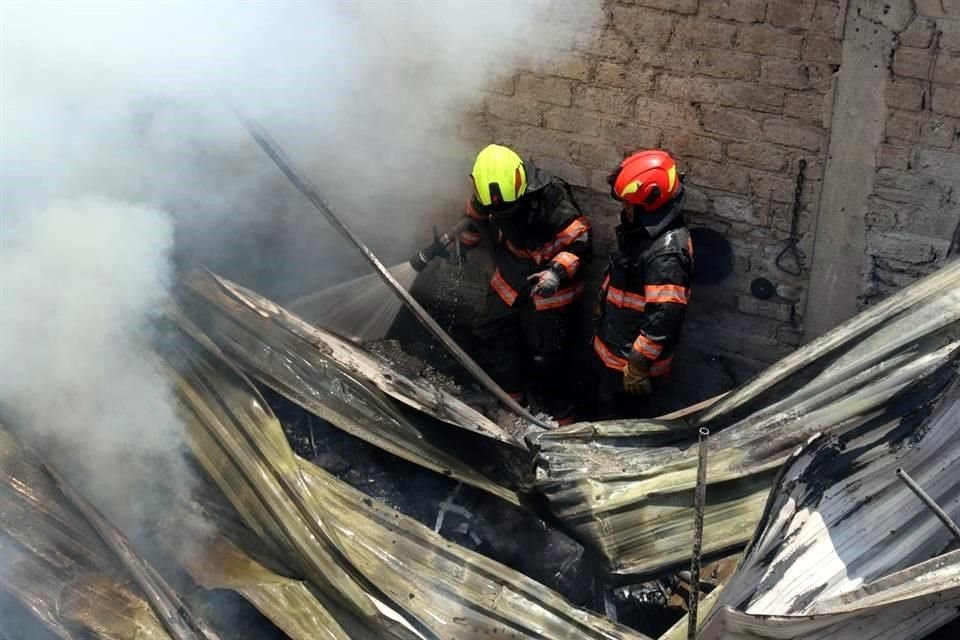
{"x":946,"y":101}
{"x":946,"y":69}
{"x":505,"y":85}
{"x":716,"y":175}
{"x":904,"y":247}
{"x":789,"y":335}
{"x":645,"y":27}
{"x":772,"y":187}
{"x":703,"y":32}
{"x":474,"y":127}
{"x":791,"y":133}
{"x":822,"y":49}
{"x":569,"y":66}
{"x":757,"y":155}
{"x":630,"y":134}
{"x":765,"y":40}
{"x":807,"y":107}
{"x":882,"y":215}
{"x":749,"y":95}
{"x":906,"y":94}
{"x":893,"y":157}
{"x":790,"y":14}
{"x":949,"y":35}
{"x":696,"y":200}
{"x":919,"y":33}
{"x":781,"y":218}
{"x":730,"y":122}
{"x":688,"y":89}
{"x":572,"y":120}
{"x":737,"y":210}
{"x":766,"y":349}
{"x":609,"y":44}
{"x":542,"y":142}
{"x":689,"y":145}
{"x":796,"y":75}
{"x":738,"y":10}
{"x":598,"y":154}
{"x":715,"y":63}
{"x":912,"y":63}
{"x":765,"y":308}
{"x":546,"y":88}
{"x":667,"y":114}
{"x":688,"y":7}
{"x":924,"y":128}
{"x":617,"y":74}
{"x":937,"y":8}
{"x":515,"y":109}
{"x":571,"y":172}
{"x":612,"y":101}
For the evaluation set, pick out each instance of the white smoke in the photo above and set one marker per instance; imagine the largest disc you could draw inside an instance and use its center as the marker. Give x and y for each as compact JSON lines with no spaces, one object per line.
{"x":119,"y":154}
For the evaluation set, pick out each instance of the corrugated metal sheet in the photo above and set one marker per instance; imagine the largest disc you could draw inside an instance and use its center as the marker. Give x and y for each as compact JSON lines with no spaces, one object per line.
{"x":341,"y":382}
{"x":376,"y":572}
{"x":626,"y":488}
{"x":56,"y":565}
{"x":845,"y":549}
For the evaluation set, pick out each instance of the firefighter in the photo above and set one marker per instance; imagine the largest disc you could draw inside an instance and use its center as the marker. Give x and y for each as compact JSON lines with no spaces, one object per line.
{"x":645,"y":289}
{"x":541,"y":242}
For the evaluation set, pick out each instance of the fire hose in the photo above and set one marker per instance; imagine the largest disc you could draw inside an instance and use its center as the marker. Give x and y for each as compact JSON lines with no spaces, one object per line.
{"x":303,"y":185}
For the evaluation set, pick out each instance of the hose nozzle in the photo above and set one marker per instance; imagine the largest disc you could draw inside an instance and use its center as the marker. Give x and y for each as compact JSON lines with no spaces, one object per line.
{"x":438,"y":247}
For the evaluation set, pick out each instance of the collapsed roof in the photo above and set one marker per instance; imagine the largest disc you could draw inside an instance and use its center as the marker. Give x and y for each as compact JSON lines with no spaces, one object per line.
{"x":837,"y":541}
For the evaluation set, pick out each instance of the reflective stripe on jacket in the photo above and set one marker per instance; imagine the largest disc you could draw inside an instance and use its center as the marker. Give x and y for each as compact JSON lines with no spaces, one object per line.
{"x":644,"y":296}
{"x":551,"y":233}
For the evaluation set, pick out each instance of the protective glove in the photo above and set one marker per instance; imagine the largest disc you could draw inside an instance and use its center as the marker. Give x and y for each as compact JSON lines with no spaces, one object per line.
{"x":636,"y":378}
{"x":545,"y":283}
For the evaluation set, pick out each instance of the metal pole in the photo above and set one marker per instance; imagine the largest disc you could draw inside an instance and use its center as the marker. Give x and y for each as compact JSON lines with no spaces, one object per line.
{"x":699,"y":501}
{"x":927,"y":500}
{"x":272,"y":149}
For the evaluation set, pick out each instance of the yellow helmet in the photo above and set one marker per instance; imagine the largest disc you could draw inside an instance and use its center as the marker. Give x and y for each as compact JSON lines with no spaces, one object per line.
{"x":498,"y":176}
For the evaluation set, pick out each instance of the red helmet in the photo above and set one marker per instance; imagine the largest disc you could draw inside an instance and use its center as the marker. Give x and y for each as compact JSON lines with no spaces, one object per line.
{"x":647,"y":179}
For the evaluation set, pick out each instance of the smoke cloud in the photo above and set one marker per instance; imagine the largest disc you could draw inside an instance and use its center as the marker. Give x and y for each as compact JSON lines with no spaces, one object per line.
{"x":121,"y":160}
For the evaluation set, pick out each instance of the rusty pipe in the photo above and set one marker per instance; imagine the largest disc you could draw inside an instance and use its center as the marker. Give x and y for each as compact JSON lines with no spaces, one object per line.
{"x":931,"y":504}
{"x":699,"y":501}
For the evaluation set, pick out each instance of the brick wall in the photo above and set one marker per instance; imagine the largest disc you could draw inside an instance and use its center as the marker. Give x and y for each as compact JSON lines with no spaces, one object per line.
{"x":741,"y":93}
{"x":915,"y":204}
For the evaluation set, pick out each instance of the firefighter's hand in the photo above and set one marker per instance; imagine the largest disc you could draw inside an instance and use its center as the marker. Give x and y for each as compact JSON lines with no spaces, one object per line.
{"x":636,"y":378}
{"x":545,"y":283}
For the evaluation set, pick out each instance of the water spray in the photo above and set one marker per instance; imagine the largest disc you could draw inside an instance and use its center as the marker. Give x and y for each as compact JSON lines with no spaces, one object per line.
{"x":303,"y":185}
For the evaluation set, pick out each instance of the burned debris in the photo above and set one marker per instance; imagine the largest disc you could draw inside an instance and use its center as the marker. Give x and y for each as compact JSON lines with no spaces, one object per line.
{"x":802,"y":471}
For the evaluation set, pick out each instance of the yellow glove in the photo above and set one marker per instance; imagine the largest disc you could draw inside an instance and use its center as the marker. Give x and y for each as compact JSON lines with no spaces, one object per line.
{"x":636,"y":379}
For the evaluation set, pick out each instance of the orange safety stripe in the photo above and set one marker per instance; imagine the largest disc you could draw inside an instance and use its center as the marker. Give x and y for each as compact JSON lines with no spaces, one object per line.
{"x":564,"y":239}
{"x":617,"y":363}
{"x":625,"y":299}
{"x":470,"y":238}
{"x":559,"y":299}
{"x":609,"y":358}
{"x":473,"y":213}
{"x":549,"y":251}
{"x":647,"y":347}
{"x":568,"y":261}
{"x":507,"y":293}
{"x":660,"y":293}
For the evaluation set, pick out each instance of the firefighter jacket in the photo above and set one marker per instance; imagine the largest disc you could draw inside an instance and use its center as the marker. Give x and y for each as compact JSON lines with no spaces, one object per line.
{"x":550,"y":232}
{"x":644,"y":297}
